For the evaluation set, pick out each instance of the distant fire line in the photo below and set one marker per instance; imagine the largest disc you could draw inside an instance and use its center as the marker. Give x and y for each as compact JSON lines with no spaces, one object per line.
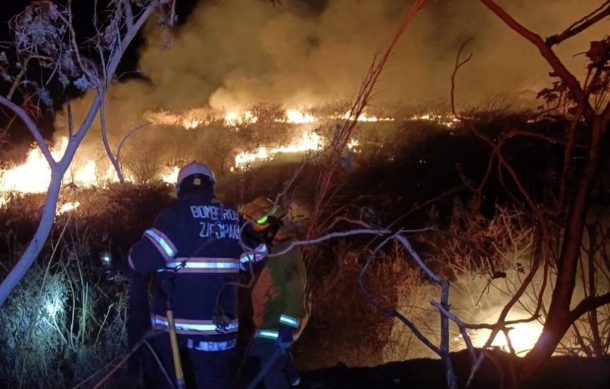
{"x":33,"y":176}
{"x":201,"y":117}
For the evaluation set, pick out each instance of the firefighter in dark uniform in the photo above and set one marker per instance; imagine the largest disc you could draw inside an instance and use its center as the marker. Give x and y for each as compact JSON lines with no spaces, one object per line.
{"x":193,"y":252}
{"x":280,"y":312}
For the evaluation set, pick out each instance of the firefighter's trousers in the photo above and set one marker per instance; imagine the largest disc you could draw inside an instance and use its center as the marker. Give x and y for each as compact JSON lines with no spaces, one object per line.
{"x":202,"y":369}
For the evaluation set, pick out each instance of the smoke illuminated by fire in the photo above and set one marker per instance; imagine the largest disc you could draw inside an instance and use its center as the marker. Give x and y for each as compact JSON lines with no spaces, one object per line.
{"x":523,"y":337}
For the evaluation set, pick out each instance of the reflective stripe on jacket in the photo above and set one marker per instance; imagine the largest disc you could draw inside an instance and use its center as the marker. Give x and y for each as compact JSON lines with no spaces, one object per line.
{"x":194,"y":327}
{"x":204,"y":265}
{"x":278,"y":297}
{"x":198,"y":239}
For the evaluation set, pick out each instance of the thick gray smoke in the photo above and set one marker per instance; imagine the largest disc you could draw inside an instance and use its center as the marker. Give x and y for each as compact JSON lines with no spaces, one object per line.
{"x":234,"y":53}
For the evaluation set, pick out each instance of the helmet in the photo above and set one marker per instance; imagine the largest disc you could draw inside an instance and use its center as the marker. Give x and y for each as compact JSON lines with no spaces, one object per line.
{"x":259,"y":209}
{"x":193,"y":168}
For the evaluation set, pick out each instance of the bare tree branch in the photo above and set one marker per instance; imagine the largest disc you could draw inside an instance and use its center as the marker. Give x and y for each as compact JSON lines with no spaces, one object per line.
{"x":342,"y":133}
{"x":114,"y":160}
{"x":32,"y":127}
{"x":558,"y":67}
{"x":59,"y":168}
{"x":588,"y":304}
{"x":580,"y":25}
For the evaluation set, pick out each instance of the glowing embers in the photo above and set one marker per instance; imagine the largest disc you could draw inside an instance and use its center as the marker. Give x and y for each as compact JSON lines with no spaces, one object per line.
{"x":307,"y":142}
{"x":353,"y":145}
{"x":446,"y":120}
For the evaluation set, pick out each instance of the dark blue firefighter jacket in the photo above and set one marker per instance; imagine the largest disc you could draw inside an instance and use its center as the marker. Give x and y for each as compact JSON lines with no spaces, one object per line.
{"x":193,"y":253}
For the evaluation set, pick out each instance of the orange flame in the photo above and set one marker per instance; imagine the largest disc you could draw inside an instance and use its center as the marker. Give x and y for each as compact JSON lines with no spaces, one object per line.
{"x":308,"y":142}
{"x":364,"y":117}
{"x":444,"y":120}
{"x":34,"y":175}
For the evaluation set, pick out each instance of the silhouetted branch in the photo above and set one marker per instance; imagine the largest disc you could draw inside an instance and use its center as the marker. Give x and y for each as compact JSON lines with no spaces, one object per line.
{"x":558,"y":67}
{"x":580,"y":25}
{"x":588,"y":304}
{"x":343,"y":131}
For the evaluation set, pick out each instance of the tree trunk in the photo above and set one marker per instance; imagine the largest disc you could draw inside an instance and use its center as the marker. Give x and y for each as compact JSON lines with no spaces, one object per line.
{"x":37,"y":242}
{"x":560,"y":318}
{"x":58,"y":169}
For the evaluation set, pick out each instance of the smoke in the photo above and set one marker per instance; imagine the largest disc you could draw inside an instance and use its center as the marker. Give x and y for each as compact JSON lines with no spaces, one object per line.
{"x":233,"y":53}
{"x":236,"y":52}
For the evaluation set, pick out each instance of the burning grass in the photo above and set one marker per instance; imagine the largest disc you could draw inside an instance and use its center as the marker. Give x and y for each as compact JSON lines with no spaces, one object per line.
{"x":391,"y":171}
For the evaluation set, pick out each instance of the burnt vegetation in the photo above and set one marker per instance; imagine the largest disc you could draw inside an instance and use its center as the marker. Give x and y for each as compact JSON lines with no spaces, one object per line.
{"x":410,"y":176}
{"x":506,"y":209}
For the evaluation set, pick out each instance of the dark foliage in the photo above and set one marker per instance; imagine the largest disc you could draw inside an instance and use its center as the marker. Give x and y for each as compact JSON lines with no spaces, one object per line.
{"x":561,"y":372}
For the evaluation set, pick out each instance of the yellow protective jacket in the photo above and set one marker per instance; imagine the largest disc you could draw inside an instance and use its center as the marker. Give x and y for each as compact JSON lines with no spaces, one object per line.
{"x":279,"y":295}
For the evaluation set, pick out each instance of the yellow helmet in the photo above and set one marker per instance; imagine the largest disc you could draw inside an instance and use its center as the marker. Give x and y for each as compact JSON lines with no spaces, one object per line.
{"x":259,"y":210}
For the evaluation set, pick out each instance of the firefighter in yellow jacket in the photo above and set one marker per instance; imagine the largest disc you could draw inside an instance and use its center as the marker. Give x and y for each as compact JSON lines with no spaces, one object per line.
{"x":278,"y":296}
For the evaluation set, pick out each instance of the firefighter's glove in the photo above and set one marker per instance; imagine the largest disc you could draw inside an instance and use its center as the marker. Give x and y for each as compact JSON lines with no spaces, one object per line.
{"x":285,"y":338}
{"x":221,"y":320}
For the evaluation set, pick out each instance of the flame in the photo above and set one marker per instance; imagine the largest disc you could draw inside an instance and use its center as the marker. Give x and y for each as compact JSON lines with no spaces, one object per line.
{"x":31,"y":177}
{"x":190,"y":119}
{"x":34,"y":175}
{"x":234,"y":118}
{"x":353,"y":144}
{"x":170,"y":176}
{"x":523,"y":336}
{"x":191,"y":123}
{"x":244,"y":158}
{"x":197,"y":117}
{"x":299,"y":117}
{"x":67,"y":207}
{"x":364,"y":117}
{"x":307,"y":142}
{"x":448,"y":121}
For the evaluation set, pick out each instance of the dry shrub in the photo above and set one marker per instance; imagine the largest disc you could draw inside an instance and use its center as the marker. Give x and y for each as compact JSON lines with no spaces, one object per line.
{"x":487,"y":259}
{"x":64,"y":322}
{"x":344,"y":326}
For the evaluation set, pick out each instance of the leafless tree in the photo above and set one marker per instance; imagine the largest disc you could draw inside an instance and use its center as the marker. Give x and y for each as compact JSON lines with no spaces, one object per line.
{"x":587,"y":104}
{"x":44,"y":33}
{"x":327,"y":181}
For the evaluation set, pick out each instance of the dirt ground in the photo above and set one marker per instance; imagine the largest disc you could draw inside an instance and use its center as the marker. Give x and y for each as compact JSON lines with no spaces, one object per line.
{"x":559,"y":373}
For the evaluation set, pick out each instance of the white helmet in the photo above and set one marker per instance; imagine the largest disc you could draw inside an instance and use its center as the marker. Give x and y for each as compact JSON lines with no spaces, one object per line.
{"x":194,"y":168}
